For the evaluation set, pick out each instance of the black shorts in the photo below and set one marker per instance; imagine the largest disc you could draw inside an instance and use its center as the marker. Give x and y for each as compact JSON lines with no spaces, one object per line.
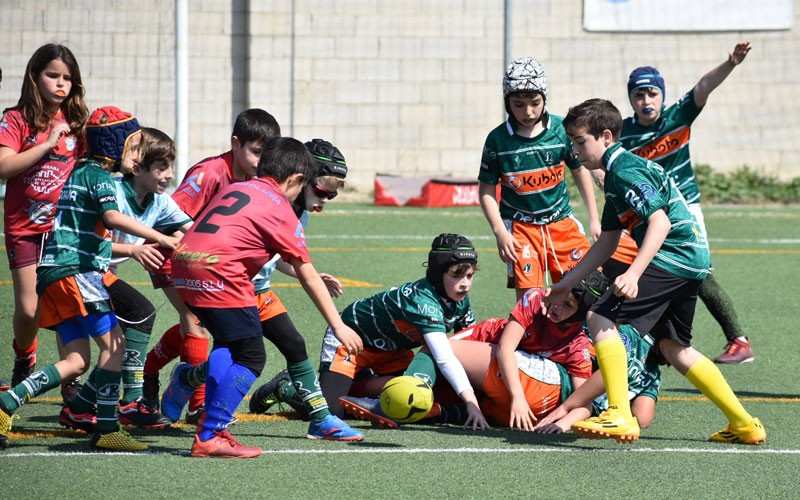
{"x":229,"y":324}
{"x":664,"y":306}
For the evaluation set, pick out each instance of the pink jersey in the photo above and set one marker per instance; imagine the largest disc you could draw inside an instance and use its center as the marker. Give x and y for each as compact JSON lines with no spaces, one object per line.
{"x":242,"y":228}
{"x":32,"y":196}
{"x":203,"y":181}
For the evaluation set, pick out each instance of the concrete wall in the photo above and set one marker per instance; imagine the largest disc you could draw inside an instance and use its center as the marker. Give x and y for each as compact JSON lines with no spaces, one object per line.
{"x":401,"y":86}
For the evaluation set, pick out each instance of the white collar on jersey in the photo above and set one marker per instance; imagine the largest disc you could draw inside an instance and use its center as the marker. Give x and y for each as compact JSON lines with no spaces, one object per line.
{"x":613,"y":157}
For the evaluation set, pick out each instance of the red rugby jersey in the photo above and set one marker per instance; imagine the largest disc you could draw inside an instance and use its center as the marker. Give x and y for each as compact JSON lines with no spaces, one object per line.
{"x":32,"y":196}
{"x":203,"y":181}
{"x":242,"y":227}
{"x":569,"y":347}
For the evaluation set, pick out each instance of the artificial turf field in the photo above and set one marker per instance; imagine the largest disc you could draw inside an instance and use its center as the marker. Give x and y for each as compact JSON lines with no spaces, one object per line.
{"x":756,"y":253}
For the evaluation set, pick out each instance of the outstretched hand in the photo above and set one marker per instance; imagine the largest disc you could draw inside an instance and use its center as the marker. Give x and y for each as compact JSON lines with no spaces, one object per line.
{"x":475,"y":418}
{"x":522,"y":416}
{"x":350,"y":339}
{"x":148,"y":256}
{"x":739,"y":53}
{"x":333,"y":285}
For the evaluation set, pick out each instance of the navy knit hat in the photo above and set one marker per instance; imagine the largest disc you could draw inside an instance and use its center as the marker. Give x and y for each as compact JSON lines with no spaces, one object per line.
{"x":646,"y":76}
{"x":108,"y":131}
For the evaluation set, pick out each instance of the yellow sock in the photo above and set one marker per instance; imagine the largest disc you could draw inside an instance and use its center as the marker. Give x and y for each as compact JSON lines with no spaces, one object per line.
{"x":613,"y":363}
{"x":706,"y":376}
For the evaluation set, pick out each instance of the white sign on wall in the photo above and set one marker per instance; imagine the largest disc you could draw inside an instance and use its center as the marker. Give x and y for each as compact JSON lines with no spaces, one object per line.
{"x":687,"y":15}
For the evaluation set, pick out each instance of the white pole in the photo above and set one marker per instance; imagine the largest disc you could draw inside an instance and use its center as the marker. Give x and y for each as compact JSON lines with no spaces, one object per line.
{"x":181,"y":88}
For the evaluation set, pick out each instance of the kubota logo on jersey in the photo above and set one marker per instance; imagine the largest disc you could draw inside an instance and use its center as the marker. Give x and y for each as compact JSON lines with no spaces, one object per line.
{"x":182,"y":252}
{"x":532,"y":182}
{"x":664,"y":146}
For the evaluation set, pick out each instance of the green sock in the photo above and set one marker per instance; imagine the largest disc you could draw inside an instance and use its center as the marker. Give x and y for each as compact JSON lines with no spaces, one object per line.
{"x":86,"y":399}
{"x":423,"y":367}
{"x":38,"y":382}
{"x":305,"y":382}
{"x":136,"y":343}
{"x":720,"y":305}
{"x":107,"y":383}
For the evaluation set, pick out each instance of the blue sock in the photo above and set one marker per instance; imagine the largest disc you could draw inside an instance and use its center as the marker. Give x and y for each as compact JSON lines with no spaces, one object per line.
{"x":229,"y":392}
{"x":219,"y":361}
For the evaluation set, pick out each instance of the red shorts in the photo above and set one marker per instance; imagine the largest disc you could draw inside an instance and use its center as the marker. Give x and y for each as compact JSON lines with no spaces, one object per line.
{"x":269,"y":305}
{"x":556,"y":247}
{"x":542,"y":397}
{"x":24,"y":250}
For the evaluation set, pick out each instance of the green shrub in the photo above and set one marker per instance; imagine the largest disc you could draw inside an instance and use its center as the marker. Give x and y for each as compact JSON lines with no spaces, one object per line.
{"x":745,"y":186}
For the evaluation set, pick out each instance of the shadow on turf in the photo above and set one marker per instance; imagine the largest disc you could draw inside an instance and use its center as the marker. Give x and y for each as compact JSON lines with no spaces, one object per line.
{"x":741,"y":394}
{"x":511,"y":436}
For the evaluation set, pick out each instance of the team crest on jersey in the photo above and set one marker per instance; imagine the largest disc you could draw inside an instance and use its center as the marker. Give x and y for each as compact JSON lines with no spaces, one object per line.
{"x":40,"y":212}
{"x":548,"y":157}
{"x":191,"y":186}
{"x":647,"y":190}
{"x":514,"y":182}
{"x":527,"y":268}
{"x":71,"y":143}
{"x":576,"y":254}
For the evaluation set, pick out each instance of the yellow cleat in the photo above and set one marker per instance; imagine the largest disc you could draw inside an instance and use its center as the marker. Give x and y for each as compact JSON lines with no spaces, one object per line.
{"x":5,"y":428}
{"x":118,"y":440}
{"x":609,"y":425}
{"x":752,"y":433}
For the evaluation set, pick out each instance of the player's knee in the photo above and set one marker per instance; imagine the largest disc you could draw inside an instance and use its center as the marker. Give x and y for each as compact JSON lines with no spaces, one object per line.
{"x":249,"y":353}
{"x":295,"y":350}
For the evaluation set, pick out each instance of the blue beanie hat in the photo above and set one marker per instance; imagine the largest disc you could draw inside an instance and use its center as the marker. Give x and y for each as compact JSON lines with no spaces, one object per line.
{"x":108,"y":131}
{"x":646,"y":76}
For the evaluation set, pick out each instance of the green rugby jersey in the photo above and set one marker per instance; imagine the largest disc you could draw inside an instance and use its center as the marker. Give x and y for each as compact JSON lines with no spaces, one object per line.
{"x":666,"y":142}
{"x":79,"y":241}
{"x":644,"y":378}
{"x":531,"y":171}
{"x":634,"y":189}
{"x":396,"y":319}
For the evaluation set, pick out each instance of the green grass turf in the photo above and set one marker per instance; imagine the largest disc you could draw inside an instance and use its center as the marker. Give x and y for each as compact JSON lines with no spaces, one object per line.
{"x":755,"y":253}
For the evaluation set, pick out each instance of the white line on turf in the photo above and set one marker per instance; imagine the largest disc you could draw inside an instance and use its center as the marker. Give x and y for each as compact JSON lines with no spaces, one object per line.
{"x":426,"y":237}
{"x":357,"y":450}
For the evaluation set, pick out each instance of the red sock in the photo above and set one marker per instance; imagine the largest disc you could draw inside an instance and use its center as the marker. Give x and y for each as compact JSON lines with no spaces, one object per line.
{"x":29,"y":353}
{"x":195,"y":352}
{"x":165,"y":350}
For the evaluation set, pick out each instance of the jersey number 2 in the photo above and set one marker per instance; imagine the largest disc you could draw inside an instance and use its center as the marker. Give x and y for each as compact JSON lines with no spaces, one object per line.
{"x":241,"y":201}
